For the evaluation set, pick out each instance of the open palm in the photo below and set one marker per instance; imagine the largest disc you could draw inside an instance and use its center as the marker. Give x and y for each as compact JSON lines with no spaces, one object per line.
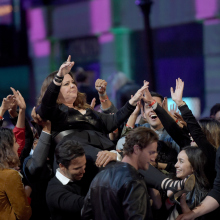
{"x":178,"y":93}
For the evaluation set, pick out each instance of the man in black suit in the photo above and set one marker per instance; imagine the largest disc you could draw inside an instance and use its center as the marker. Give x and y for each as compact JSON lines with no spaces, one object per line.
{"x":64,"y":192}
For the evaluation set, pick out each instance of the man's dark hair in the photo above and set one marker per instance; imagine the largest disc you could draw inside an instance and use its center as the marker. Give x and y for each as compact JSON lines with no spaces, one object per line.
{"x":215,"y":109}
{"x":155,"y":94}
{"x":67,"y":151}
{"x":140,"y":136}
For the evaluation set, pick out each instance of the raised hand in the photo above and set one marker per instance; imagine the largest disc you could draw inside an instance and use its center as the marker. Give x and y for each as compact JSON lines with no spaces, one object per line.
{"x":38,"y":120}
{"x":178,"y":93}
{"x":139,"y":94}
{"x":174,"y":109}
{"x":93,"y":102}
{"x":100,"y":86}
{"x":65,"y":67}
{"x":147,"y":96}
{"x":19,"y":99}
{"x":8,"y":102}
{"x":13,"y":110}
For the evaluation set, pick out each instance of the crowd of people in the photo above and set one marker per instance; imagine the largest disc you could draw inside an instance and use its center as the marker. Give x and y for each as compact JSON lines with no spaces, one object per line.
{"x":141,"y":161}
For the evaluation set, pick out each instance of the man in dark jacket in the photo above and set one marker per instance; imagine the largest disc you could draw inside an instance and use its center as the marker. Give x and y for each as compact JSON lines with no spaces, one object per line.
{"x":64,"y":192}
{"x":119,"y":192}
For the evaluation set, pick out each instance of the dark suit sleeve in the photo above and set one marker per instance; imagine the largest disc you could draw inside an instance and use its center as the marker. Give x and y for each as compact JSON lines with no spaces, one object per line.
{"x":40,"y":154}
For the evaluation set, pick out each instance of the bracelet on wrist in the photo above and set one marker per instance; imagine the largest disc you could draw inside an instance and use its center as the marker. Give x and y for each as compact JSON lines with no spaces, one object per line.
{"x":152,"y":103}
{"x":104,"y":100}
{"x":129,"y":126}
{"x":182,"y":104}
{"x":1,"y":118}
{"x":59,"y":77}
{"x":58,"y":80}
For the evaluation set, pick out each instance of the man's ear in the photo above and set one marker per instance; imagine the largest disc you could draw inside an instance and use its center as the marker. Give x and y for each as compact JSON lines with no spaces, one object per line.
{"x":61,"y":166}
{"x":136,"y":149}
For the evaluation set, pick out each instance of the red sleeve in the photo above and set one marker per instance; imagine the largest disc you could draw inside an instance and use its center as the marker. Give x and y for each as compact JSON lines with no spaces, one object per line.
{"x":20,"y":138}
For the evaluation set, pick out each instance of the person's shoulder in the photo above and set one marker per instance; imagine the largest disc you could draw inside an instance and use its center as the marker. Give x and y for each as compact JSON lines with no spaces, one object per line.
{"x":54,"y":182}
{"x":125,"y":169}
{"x":10,"y":173}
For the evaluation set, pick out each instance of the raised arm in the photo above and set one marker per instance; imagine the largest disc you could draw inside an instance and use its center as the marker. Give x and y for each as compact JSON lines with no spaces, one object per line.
{"x":111,"y":122}
{"x":19,"y":130}
{"x":192,"y":124}
{"x":106,"y":105}
{"x":41,"y":151}
{"x":133,"y":117}
{"x":195,"y":129}
{"x":22,"y":107}
{"x":7,"y":103}
{"x":173,"y":129}
{"x":48,"y":109}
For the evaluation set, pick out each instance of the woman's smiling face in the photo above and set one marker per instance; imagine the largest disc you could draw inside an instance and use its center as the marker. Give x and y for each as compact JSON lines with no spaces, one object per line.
{"x":183,"y":166}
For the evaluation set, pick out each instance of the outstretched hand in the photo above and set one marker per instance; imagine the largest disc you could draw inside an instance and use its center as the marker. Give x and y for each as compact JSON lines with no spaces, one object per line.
{"x":174,"y":109}
{"x":178,"y":93}
{"x":19,"y":99}
{"x":46,"y":125}
{"x":139,"y":94}
{"x":93,"y":102}
{"x":100,"y":85}
{"x":65,"y":67}
{"x":147,"y":96}
{"x":8,"y":102}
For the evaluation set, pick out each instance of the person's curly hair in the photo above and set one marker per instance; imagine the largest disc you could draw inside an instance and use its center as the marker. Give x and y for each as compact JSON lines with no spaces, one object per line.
{"x":7,"y":155}
{"x":140,"y":136}
{"x":80,"y":101}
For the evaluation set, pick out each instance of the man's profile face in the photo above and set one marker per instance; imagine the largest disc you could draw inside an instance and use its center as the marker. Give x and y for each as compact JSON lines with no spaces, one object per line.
{"x":147,"y":155}
{"x":151,"y":116}
{"x":76,"y":169}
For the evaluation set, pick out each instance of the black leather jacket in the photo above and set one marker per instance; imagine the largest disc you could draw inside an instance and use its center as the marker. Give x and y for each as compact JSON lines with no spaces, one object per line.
{"x":117,"y":193}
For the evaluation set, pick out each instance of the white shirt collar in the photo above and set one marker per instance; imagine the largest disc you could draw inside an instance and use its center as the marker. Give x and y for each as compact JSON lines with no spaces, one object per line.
{"x":63,"y":179}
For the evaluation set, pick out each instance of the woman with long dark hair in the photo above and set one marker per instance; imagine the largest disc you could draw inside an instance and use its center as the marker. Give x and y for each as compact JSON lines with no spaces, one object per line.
{"x":190,"y":160}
